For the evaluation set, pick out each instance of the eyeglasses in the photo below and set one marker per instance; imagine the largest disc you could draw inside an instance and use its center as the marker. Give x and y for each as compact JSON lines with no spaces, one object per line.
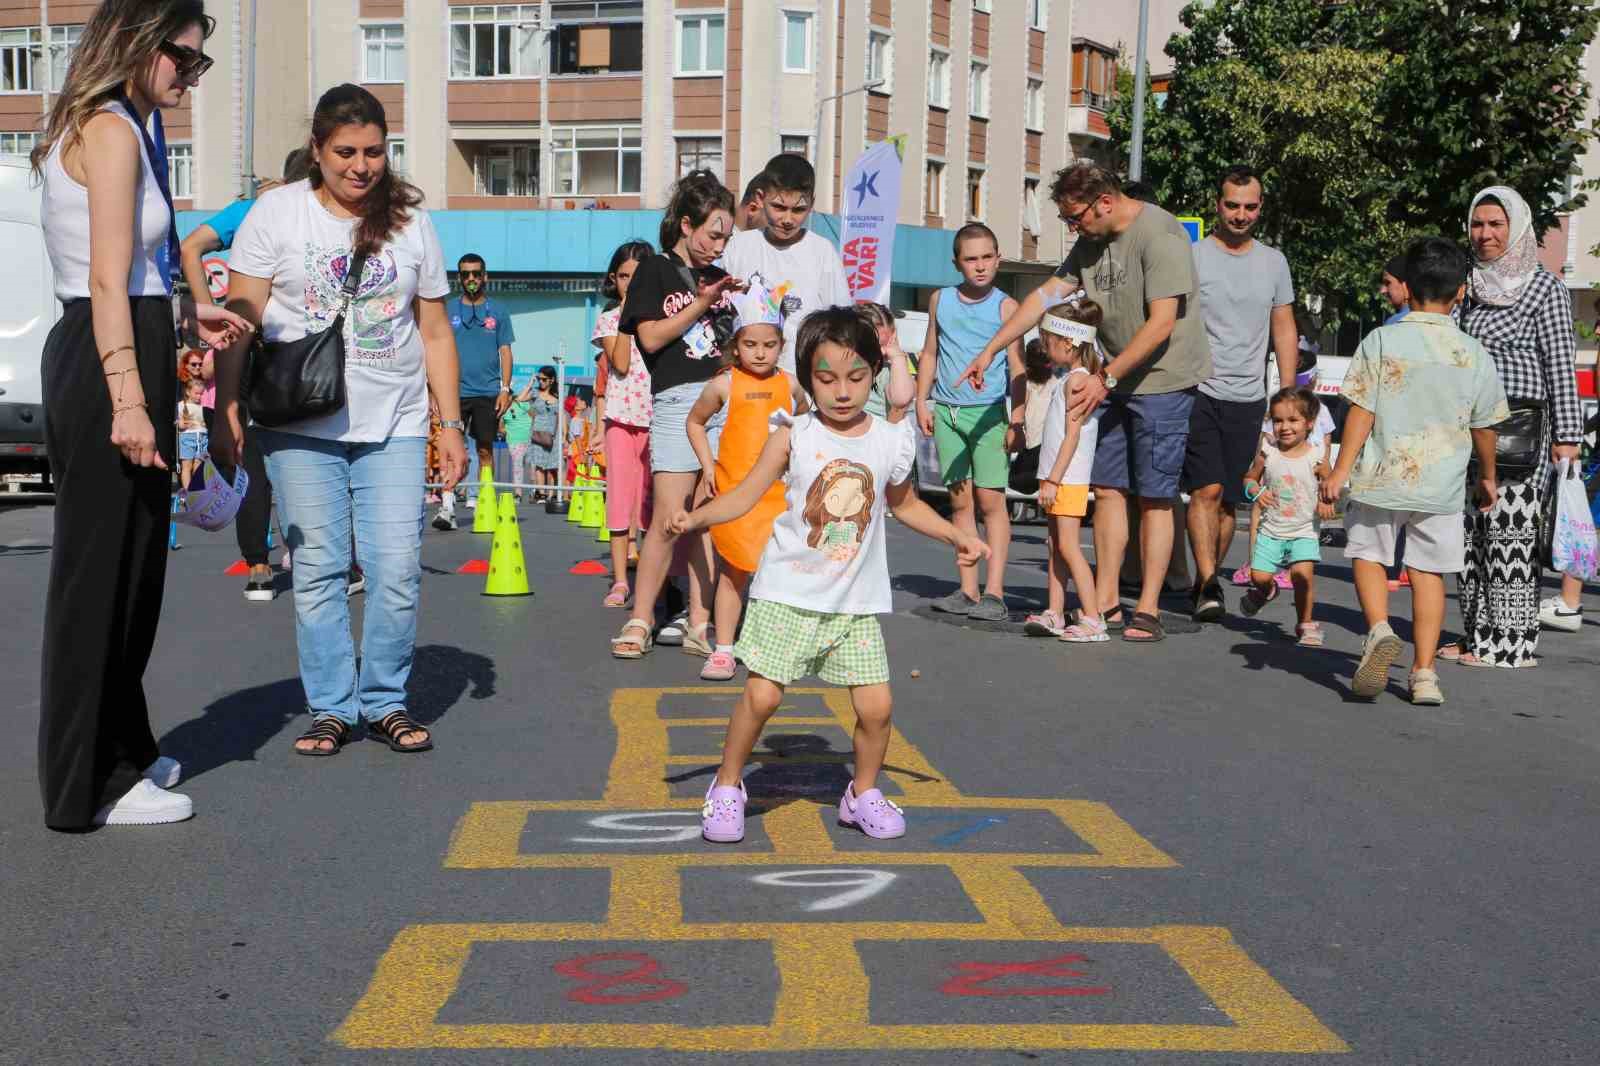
{"x":1075,"y":220}
{"x":471,"y":273}
{"x":190,"y":62}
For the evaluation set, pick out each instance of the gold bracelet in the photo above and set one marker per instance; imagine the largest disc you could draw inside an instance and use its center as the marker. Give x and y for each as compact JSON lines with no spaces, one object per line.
{"x":128,"y":407}
{"x":114,"y":351}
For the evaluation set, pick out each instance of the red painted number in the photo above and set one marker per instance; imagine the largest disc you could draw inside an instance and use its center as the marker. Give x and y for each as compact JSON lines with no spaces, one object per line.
{"x":597,"y":984}
{"x":973,"y":974}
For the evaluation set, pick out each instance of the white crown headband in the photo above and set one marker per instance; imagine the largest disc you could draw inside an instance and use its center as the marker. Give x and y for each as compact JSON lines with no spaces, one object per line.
{"x":1076,"y":332}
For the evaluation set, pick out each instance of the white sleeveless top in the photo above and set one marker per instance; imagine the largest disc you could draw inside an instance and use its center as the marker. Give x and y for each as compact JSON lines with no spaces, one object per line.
{"x":66,"y":226}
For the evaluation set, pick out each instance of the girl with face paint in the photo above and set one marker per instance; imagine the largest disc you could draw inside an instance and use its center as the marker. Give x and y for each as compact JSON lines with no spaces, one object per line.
{"x":824,"y":577}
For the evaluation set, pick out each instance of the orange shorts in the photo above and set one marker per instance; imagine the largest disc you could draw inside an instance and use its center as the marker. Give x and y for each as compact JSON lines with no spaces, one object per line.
{"x":1072,"y":501}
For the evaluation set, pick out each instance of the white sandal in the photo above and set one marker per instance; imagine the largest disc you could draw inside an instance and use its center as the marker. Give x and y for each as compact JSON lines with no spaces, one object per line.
{"x":635,"y":635}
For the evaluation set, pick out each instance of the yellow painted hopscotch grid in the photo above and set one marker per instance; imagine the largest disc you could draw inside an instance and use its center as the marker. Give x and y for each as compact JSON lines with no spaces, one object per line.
{"x":824,"y":989}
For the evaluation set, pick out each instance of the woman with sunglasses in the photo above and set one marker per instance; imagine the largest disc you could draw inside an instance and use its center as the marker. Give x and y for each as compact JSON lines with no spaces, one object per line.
{"x":543,"y":452}
{"x":109,"y":390}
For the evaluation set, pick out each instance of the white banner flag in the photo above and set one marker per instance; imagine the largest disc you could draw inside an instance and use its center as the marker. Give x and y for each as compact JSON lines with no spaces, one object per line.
{"x":872,"y":204}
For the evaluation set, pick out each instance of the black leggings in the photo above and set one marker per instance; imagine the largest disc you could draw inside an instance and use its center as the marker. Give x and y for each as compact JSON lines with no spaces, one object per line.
{"x":108,"y":564}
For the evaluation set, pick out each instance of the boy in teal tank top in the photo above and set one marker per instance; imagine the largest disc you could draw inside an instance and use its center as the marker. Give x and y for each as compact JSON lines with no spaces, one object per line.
{"x":970,"y":426}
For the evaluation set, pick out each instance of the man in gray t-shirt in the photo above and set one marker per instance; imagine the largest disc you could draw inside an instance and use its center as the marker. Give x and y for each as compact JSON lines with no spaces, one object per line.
{"x":1247,"y":306}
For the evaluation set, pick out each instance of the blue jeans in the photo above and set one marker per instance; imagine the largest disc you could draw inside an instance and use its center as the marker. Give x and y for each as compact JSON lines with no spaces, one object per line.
{"x":321,"y":485}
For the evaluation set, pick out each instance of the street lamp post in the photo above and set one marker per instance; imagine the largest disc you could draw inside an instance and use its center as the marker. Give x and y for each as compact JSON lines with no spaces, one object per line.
{"x":816,"y":140}
{"x":1141,"y":79}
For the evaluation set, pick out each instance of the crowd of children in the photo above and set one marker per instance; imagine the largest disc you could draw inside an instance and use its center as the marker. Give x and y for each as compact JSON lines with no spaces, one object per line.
{"x":755,"y":431}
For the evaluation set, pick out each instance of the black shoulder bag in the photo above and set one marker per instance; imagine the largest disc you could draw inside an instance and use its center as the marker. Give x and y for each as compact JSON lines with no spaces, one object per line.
{"x":291,"y":381}
{"x":1519,"y":440}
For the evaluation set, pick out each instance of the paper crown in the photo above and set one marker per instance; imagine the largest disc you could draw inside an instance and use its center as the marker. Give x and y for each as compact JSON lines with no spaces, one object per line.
{"x":758,"y":307}
{"x":215,"y":502}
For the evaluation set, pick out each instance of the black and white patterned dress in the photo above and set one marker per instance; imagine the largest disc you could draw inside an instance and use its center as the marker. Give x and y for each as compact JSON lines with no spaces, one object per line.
{"x":1534,"y":350}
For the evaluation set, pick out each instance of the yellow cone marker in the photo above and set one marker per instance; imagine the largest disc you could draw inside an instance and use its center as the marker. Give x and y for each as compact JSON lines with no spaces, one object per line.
{"x":508,"y":569}
{"x":575,"y":500}
{"x":593,"y":506}
{"x":483,"y":517}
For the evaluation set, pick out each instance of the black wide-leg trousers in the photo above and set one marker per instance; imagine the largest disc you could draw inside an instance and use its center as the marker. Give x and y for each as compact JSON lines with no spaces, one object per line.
{"x":108,"y":566}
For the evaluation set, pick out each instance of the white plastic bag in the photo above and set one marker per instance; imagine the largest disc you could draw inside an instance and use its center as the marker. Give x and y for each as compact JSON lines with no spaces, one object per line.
{"x":1572,"y":537}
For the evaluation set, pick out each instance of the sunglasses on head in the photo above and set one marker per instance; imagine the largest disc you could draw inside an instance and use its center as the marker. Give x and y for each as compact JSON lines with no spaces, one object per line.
{"x":191,"y":63}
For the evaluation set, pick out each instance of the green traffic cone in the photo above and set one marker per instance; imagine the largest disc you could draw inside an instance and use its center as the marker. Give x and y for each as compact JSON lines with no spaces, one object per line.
{"x":508,"y":569}
{"x":483,"y":518}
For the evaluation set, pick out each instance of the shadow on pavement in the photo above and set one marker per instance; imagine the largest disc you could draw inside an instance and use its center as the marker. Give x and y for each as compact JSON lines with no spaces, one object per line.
{"x":236,"y":727}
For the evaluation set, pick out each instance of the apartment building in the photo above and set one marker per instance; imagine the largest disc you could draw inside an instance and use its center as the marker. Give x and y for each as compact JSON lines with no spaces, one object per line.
{"x":571,"y":104}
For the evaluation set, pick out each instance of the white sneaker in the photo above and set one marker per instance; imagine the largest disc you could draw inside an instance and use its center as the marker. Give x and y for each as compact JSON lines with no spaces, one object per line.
{"x":164,"y":772}
{"x":443,"y":522}
{"x":145,"y":804}
{"x":1555,"y":614}
{"x":472,"y":503}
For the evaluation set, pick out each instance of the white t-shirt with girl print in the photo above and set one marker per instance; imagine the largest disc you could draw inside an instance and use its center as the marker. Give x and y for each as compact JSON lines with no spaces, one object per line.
{"x":305,"y":250}
{"x":827,"y":548}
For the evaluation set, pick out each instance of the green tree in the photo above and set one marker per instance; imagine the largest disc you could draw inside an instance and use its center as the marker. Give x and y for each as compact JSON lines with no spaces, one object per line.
{"x":1372,"y":122}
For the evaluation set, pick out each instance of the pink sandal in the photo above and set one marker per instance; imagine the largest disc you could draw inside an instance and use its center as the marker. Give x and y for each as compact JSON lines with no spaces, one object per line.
{"x":1310,"y":634}
{"x":618,"y":596}
{"x":1086,"y":631}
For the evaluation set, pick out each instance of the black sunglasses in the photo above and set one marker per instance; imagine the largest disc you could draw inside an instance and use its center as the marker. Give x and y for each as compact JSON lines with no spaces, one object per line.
{"x":1075,"y":219}
{"x":471,"y":273}
{"x":192,"y":64}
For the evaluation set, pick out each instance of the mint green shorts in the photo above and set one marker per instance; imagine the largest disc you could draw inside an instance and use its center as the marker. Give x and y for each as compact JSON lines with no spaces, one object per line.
{"x":782,"y":643}
{"x":971,"y":442}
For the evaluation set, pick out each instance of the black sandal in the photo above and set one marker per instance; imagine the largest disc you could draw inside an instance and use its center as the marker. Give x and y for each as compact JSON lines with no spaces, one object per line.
{"x":1147,"y":622}
{"x":1113,"y":618}
{"x":395,"y":725}
{"x":326,"y":728}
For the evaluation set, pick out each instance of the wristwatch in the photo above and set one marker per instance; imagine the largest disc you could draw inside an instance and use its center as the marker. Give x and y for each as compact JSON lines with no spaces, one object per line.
{"x":453,"y":423}
{"x":1108,"y":380}
{"x":505,"y":388}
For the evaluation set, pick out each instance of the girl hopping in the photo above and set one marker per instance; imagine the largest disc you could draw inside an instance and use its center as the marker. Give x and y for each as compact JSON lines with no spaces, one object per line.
{"x":750,"y":391}
{"x":1066,"y":456}
{"x":824,"y":577}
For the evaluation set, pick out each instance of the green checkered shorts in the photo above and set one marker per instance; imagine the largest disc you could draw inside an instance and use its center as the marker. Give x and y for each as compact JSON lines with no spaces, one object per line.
{"x":782,"y":643}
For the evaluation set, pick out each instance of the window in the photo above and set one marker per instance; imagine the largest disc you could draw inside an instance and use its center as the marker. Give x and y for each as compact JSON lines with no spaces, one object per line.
{"x":933,"y":188}
{"x":1094,"y":75}
{"x":383,"y":53}
{"x":596,"y":160}
{"x":699,"y":153}
{"x":975,"y":195}
{"x":180,"y":170}
{"x":700,"y":44}
{"x":17,"y":144}
{"x":63,"y":40}
{"x":797,"y":144}
{"x":397,"y":155}
{"x":978,"y":90}
{"x":880,"y":60}
{"x":797,"y":42}
{"x":1038,"y":12}
{"x":1033,"y":105}
{"x":981,"y":5}
{"x":22,"y":65}
{"x":494,"y":41}
{"x":938,"y":78}
{"x":1030,"y":206}
{"x":597,"y":48}
{"x":506,"y":168}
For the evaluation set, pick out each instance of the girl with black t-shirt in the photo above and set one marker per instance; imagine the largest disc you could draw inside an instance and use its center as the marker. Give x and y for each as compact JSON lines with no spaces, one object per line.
{"x":678,"y":309}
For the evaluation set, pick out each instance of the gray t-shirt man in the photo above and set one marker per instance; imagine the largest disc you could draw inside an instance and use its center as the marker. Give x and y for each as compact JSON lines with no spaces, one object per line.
{"x":1150,"y":260}
{"x":1237,"y":296}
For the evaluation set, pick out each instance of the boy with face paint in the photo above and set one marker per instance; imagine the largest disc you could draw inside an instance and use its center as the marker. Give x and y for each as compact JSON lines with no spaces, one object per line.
{"x":483,"y":341}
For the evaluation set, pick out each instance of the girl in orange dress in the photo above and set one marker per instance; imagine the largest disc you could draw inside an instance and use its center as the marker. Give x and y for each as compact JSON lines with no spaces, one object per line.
{"x":752,"y":388}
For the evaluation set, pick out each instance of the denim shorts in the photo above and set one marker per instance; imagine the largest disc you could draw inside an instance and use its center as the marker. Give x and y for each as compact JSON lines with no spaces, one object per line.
{"x":1143,"y":439}
{"x":669,"y":437}
{"x":192,"y":444}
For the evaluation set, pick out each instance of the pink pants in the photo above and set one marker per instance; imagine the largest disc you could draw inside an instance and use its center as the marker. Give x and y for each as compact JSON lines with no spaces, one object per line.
{"x":627,"y":476}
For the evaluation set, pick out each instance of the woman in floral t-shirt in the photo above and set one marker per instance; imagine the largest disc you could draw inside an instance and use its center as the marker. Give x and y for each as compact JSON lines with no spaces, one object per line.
{"x":627,"y":421}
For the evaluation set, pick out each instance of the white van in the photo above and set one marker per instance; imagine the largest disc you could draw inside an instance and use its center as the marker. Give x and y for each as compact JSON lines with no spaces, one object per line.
{"x":28,"y":310}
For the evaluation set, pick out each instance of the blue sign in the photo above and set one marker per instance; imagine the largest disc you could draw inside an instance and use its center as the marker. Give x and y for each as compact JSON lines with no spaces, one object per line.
{"x":1196,"y":227}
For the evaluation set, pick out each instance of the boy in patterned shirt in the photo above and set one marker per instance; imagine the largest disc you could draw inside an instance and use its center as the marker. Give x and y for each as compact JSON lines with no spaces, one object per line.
{"x":1424,"y":398}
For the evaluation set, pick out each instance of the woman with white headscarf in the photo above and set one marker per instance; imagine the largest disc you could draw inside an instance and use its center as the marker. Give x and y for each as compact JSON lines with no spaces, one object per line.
{"x":1522,"y":314}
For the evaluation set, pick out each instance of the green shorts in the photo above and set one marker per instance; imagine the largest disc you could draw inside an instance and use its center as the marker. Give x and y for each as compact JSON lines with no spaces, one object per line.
{"x":782,"y":643}
{"x":971,"y":442}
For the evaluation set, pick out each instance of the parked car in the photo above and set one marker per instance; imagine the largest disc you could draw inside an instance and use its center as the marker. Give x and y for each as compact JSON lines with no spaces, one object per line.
{"x":28,"y":310}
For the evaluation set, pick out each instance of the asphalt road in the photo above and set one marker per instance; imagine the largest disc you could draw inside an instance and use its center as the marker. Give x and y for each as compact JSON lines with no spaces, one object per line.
{"x":1196,"y":851}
